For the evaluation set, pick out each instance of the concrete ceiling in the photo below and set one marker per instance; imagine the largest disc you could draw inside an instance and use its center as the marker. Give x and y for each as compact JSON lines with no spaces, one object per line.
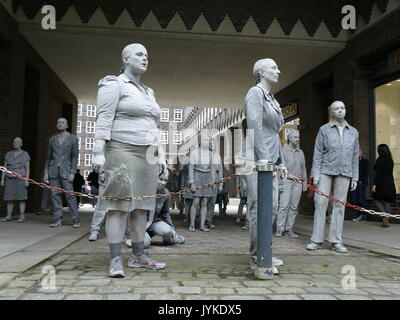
{"x":182,"y":72}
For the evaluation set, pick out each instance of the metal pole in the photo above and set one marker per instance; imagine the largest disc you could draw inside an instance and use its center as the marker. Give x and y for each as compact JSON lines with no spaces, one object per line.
{"x":264,"y":269}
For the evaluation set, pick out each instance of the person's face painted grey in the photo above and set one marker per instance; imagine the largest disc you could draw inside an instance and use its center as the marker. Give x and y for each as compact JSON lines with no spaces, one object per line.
{"x":62,"y":124}
{"x":294,"y":139}
{"x":270,"y":71}
{"x":17,"y":143}
{"x":135,"y":58}
{"x":338,"y":110}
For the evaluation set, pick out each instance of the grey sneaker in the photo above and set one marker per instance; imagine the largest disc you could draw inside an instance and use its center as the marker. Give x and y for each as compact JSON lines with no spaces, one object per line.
{"x":76,"y":225}
{"x":56,"y":224}
{"x":5,"y":219}
{"x":276,"y":261}
{"x":278,"y":234}
{"x":245,"y":227}
{"x":338,"y":247}
{"x":313,"y":246}
{"x":291,"y":234}
{"x":359,"y":218}
{"x":179,"y":240}
{"x":254,"y":266}
{"x":144,"y":261}
{"x":116,"y":270}
{"x":21,"y":218}
{"x":93,"y":236}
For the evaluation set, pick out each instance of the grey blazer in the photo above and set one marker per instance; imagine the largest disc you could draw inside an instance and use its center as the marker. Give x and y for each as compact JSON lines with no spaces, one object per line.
{"x":64,"y":156}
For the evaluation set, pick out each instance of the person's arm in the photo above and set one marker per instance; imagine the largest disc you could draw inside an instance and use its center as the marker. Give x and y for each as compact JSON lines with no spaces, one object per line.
{"x":27,"y":171}
{"x":304,"y":171}
{"x":191,"y":169}
{"x":319,"y":150}
{"x":46,"y":165}
{"x":254,"y":106}
{"x":3,"y":174}
{"x":165,"y":213}
{"x":107,"y":102}
{"x":74,"y":159}
{"x":355,"y":164}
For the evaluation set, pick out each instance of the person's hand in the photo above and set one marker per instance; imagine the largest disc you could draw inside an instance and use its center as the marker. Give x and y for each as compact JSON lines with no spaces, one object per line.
{"x":353,"y":185}
{"x":71,"y":177}
{"x":284,"y":172}
{"x":316,"y":180}
{"x":163,"y":171}
{"x":46,"y":178}
{"x":98,"y":161}
{"x":192,"y":186}
{"x":220,"y":187}
{"x":305,"y":188}
{"x":26,"y":184}
{"x":373,"y":189}
{"x":2,"y":182}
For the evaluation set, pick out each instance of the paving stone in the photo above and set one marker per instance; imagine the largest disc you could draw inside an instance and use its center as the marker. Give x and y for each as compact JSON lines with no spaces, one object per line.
{"x":170,"y":296}
{"x":160,"y":283}
{"x":20,"y":284}
{"x":38,"y":296}
{"x":283,"y":297}
{"x":390,"y":285}
{"x":29,"y":277}
{"x":98,"y":282}
{"x":386,"y":297}
{"x":113,"y":289}
{"x":78,"y":289}
{"x":317,"y":297}
{"x":200,"y":297}
{"x":295,"y":276}
{"x":178,"y":276}
{"x":295,"y":283}
{"x":11,"y":292}
{"x":253,"y":291}
{"x":123,"y":297}
{"x":186,"y":290}
{"x":376,"y":291}
{"x":208,"y":276}
{"x":219,"y":290}
{"x":261,"y":283}
{"x":84,"y":297}
{"x":64,"y":282}
{"x":287,"y":290}
{"x":197,"y":283}
{"x":350,"y":291}
{"x":319,"y":290}
{"x":153,"y":290}
{"x":227,"y":284}
{"x":395,"y":291}
{"x":243,"y":297}
{"x":351,"y":297}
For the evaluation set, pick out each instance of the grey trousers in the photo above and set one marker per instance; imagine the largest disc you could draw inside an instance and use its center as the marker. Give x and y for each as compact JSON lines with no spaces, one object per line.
{"x":56,"y":199}
{"x":99,"y":215}
{"x":210,"y":209}
{"x":340,"y":186}
{"x":251,"y":181}
{"x":288,"y":203}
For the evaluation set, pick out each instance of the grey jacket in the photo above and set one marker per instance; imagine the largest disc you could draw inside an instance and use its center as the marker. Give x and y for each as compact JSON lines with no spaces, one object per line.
{"x":64,"y":156}
{"x":332,"y":157}
{"x":264,"y":116}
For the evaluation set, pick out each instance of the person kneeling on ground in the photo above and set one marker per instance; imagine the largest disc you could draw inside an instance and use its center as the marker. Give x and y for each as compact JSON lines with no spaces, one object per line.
{"x":161,"y":224}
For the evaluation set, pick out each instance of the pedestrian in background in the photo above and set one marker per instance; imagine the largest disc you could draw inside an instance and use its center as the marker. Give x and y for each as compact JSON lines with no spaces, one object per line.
{"x":358,"y":195}
{"x":383,"y":188}
{"x":78,"y":183}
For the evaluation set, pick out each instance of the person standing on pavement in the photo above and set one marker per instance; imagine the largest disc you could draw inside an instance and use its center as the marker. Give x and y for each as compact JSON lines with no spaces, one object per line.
{"x":335,"y":165}
{"x":127,"y":145}
{"x":264,"y":117}
{"x":78,"y":182}
{"x":93,"y":179}
{"x":358,"y":195}
{"x":291,"y":194}
{"x":173,"y":186}
{"x":213,"y":199}
{"x":383,"y":188}
{"x":59,"y":171}
{"x":99,"y":213}
{"x":223,"y":196}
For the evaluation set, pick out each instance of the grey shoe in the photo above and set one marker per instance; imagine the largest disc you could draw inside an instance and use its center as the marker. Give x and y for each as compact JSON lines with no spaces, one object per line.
{"x":116,"y":270}
{"x":56,"y":224}
{"x":245,"y":227}
{"x":192,"y":229}
{"x":5,"y":219}
{"x":179,"y":240}
{"x":21,"y":218}
{"x":128,"y":243}
{"x":276,"y":261}
{"x":144,"y":261}
{"x":254,"y":266}
{"x":313,"y":246}
{"x":359,"y":218}
{"x":291,"y":234}
{"x":93,"y":236}
{"x":76,"y":225}
{"x":278,"y":234}
{"x":338,"y":247}
{"x":205,"y":229}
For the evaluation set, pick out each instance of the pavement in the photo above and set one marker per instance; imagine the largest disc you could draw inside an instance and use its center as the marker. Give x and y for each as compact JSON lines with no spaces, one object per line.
{"x":212,"y":266}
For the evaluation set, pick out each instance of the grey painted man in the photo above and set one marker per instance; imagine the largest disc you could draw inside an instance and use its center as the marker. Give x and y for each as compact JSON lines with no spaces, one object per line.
{"x":291,"y":193}
{"x":59,"y":171}
{"x":335,"y":165}
{"x":264,"y":117}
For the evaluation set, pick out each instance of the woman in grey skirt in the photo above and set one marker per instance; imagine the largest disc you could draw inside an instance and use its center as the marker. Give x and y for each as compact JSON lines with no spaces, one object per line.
{"x":204,"y":167}
{"x":127,"y":146}
{"x":15,"y":189}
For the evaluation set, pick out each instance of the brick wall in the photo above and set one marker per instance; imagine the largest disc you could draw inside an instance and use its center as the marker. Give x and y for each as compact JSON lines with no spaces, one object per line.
{"x":16,"y":57}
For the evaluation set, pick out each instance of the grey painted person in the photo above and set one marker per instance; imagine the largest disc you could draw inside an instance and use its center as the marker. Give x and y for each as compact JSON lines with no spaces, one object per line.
{"x":59,"y":171}
{"x":265,"y":119}
{"x":335,"y":165}
{"x":291,"y":193}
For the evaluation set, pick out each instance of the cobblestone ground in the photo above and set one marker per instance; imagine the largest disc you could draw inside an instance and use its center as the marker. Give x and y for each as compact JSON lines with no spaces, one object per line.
{"x":210,"y":265}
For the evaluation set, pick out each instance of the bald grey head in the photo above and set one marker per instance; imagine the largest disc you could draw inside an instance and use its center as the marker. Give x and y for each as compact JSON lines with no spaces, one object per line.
{"x":266,"y":68}
{"x":135,"y":57}
{"x":338,"y":110}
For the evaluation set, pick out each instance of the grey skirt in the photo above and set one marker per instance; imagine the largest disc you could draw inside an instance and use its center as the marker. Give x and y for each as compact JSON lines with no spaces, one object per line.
{"x":129,"y":174}
{"x":14,"y":189}
{"x":201,"y":178}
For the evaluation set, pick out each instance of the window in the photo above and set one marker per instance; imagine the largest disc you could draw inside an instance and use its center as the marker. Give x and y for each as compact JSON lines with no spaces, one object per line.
{"x":164,"y":137}
{"x":177,"y":137}
{"x":91,"y":111}
{"x":79,"y":143}
{"x":79,"y":127}
{"x":89,"y":143}
{"x":86,"y":174}
{"x":164,"y":115}
{"x":387,"y":119}
{"x":90,"y":127}
{"x":79,"y":110}
{"x":177,"y":115}
{"x":88,"y":160}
